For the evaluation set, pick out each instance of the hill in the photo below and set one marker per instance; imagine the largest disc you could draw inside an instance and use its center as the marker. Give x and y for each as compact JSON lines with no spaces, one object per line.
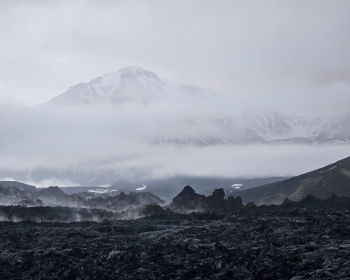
{"x":321,"y":183}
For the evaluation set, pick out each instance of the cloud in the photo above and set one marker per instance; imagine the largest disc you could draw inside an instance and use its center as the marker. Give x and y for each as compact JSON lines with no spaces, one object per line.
{"x":233,"y":161}
{"x":291,"y":56}
{"x":274,"y":51}
{"x":54,"y":145}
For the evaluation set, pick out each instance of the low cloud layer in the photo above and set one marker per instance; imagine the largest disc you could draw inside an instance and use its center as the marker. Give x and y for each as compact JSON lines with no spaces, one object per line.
{"x":290,"y":56}
{"x":100,"y":144}
{"x":287,"y":54}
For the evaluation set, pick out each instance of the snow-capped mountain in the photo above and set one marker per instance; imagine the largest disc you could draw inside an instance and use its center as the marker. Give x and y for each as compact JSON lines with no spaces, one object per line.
{"x":272,"y":126}
{"x":134,"y":84}
{"x":128,"y":84}
{"x":267,"y":127}
{"x":276,"y":127}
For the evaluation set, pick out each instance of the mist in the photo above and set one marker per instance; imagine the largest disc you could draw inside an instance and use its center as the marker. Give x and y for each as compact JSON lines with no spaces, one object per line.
{"x":287,"y":56}
{"x":291,"y":56}
{"x":42,"y":144}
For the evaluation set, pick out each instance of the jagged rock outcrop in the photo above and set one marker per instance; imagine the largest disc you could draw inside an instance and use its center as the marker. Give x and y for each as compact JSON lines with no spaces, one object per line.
{"x":189,"y":201}
{"x":216,"y":201}
{"x":123,"y":201}
{"x":53,"y":195}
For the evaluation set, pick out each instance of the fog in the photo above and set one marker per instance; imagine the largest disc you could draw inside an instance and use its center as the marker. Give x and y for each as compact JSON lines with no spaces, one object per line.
{"x":289,"y":56}
{"x":123,"y":141}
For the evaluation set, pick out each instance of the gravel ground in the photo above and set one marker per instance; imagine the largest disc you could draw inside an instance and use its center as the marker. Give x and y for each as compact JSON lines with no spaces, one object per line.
{"x":289,"y":244}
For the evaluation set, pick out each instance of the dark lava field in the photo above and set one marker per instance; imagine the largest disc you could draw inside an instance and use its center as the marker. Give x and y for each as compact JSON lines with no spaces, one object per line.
{"x":276,"y":243}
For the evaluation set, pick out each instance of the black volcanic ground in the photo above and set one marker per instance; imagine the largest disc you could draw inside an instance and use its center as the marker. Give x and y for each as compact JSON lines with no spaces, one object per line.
{"x":272,"y":244}
{"x":296,"y":240}
{"x":134,"y":236}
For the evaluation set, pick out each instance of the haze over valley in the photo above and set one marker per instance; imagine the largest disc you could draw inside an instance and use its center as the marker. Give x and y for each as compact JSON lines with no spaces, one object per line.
{"x":166,"y":140}
{"x":130,"y":124}
{"x":211,"y":95}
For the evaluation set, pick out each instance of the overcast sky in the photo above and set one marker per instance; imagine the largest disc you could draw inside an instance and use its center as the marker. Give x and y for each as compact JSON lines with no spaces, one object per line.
{"x":291,"y":56}
{"x":286,"y":54}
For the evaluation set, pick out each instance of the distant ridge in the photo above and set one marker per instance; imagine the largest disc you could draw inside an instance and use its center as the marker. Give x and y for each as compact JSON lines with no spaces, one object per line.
{"x":321,"y":183}
{"x":18,"y":185}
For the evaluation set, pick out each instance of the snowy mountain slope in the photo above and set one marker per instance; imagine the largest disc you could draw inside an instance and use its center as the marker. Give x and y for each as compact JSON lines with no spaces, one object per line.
{"x":128,"y":84}
{"x":268,"y":127}
{"x":273,"y":126}
{"x":134,"y":84}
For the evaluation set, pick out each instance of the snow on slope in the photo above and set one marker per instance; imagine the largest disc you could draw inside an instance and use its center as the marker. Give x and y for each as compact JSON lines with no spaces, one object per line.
{"x":272,"y":126}
{"x":135,"y":84}
{"x":129,"y":83}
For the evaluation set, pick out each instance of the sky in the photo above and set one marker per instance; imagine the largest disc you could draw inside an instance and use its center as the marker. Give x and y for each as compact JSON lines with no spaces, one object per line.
{"x":282,"y":54}
{"x":289,"y":56}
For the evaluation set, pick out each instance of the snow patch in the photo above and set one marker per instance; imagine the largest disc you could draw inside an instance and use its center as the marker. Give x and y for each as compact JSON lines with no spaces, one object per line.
{"x":237,"y":186}
{"x":101,"y":191}
{"x":141,"y":188}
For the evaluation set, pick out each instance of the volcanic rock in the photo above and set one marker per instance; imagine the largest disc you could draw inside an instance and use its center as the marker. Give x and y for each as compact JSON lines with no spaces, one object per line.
{"x":283,"y":244}
{"x":188,"y":200}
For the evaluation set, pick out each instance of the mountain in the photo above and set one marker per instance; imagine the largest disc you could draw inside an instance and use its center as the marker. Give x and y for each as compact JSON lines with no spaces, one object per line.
{"x":270,"y":127}
{"x":321,"y":183}
{"x":168,"y":187}
{"x":134,"y":84}
{"x":123,"y":201}
{"x":274,"y":127}
{"x":18,"y":185}
{"x":184,"y":128}
{"x":52,"y":195}
{"x":10,"y":195}
{"x":128,"y":84}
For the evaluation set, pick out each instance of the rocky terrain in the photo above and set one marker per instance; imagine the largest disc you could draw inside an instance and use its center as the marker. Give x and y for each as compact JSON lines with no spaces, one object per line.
{"x":54,"y":196}
{"x":195,"y":237}
{"x":168,"y":187}
{"x":293,"y":244}
{"x":138,"y":205}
